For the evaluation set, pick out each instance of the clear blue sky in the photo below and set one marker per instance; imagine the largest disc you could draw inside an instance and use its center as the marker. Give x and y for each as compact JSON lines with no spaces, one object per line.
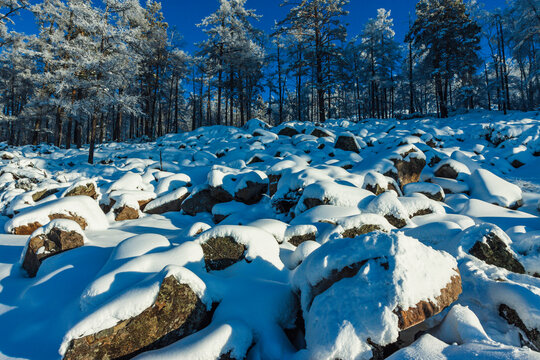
{"x":185,"y":14}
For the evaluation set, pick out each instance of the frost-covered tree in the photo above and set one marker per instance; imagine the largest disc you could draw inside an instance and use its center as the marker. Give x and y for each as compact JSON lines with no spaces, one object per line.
{"x":317,"y":24}
{"x":450,"y":40}
{"x":234,"y":55}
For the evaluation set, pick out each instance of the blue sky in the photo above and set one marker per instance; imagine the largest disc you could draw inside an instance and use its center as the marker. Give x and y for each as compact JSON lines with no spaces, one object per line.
{"x":185,"y":14}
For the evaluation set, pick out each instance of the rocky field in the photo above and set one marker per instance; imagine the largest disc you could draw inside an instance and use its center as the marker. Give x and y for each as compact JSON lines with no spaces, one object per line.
{"x":415,"y":239}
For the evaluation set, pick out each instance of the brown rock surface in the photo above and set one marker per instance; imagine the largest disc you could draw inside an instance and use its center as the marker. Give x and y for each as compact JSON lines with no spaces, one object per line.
{"x":222,"y":252}
{"x":176,"y":313}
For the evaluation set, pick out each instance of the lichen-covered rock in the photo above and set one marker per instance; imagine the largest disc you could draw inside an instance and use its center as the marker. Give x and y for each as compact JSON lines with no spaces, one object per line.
{"x":251,"y":188}
{"x":176,"y":312}
{"x":528,"y":337}
{"x":88,"y":189}
{"x":492,"y":250}
{"x":42,"y":194}
{"x":58,"y":236}
{"x":347,"y":142}
{"x":222,"y":252}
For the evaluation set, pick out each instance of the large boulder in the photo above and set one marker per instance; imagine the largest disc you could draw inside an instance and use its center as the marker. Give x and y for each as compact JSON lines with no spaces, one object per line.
{"x":388,"y":205}
{"x":251,"y":187}
{"x":58,"y":236}
{"x":451,"y":169}
{"x":226,"y":245}
{"x":347,"y":142}
{"x":81,"y":209}
{"x":490,"y":188}
{"x":357,"y":295}
{"x":174,"y":306}
{"x":409,"y":166}
{"x":199,"y":201}
{"x":168,"y":202}
{"x":490,"y":244}
{"x":86,"y":188}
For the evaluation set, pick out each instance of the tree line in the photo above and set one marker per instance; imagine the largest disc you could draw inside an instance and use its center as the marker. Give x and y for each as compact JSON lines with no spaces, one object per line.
{"x":114,"y":70}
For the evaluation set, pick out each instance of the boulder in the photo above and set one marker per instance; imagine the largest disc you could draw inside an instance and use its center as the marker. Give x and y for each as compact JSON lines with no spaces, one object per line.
{"x":81,"y":209}
{"x":450,"y":169}
{"x":288,"y":131}
{"x":58,"y":236}
{"x":528,"y":337}
{"x":199,"y":201}
{"x":88,"y":189}
{"x":358,"y":225}
{"x":166,"y":203}
{"x":222,"y":252}
{"x":357,"y":295}
{"x":409,"y":167}
{"x":347,"y":142}
{"x":491,"y":188}
{"x":378,"y":183}
{"x":42,"y":194}
{"x":125,"y":213}
{"x":388,"y":205}
{"x":492,"y":250}
{"x":251,"y":188}
{"x":320,"y":133}
{"x":176,"y":313}
{"x":299,"y":234}
{"x":432,"y":191}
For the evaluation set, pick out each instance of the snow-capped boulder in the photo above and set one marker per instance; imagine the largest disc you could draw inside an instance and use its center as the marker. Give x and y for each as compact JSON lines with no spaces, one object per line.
{"x":321,"y":133}
{"x":377,"y":183}
{"x":357,"y":225}
{"x":490,"y":188}
{"x":388,"y":205}
{"x":85,"y":187}
{"x":450,"y":169}
{"x":347,"y":142}
{"x":432,"y":191}
{"x":199,"y":201}
{"x":409,"y":162}
{"x":56,"y":237}
{"x":226,"y":245}
{"x":154,"y":314}
{"x":419,"y":204}
{"x":288,"y":131}
{"x":357,"y":295}
{"x":251,"y":187}
{"x":298,"y":234}
{"x":81,"y":209}
{"x":532,"y":335}
{"x":490,"y":244}
{"x":331,"y":193}
{"x":171,"y":201}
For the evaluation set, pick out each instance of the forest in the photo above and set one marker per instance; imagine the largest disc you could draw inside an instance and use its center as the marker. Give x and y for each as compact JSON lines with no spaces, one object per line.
{"x":113,"y":70}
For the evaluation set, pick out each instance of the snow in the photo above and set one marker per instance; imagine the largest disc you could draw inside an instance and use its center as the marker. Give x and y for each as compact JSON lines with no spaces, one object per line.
{"x":82,"y":206}
{"x":490,"y":188}
{"x":116,"y":274}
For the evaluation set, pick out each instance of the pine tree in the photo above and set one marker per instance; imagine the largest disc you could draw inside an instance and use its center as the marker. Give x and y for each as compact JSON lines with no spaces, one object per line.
{"x":448,"y":37}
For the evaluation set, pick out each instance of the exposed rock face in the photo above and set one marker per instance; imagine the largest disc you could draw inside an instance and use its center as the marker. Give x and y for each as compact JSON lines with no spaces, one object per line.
{"x":40,"y":195}
{"x":347,"y":143}
{"x":29,"y":228}
{"x":176,"y":313}
{"x":252,"y":193}
{"x":378,"y":190}
{"x":126,"y":213}
{"x":222,"y":252}
{"x":532,"y":336}
{"x":357,"y":231}
{"x":288,"y":131}
{"x":88,"y":190}
{"x":495,"y":252}
{"x":44,"y":246}
{"x":320,"y":133}
{"x":298,"y":239}
{"x":409,"y":169}
{"x":220,"y":195}
{"x":274,"y":180}
{"x":426,"y":309}
{"x":173,"y":205}
{"x":201,"y":201}
{"x":446,"y":171}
